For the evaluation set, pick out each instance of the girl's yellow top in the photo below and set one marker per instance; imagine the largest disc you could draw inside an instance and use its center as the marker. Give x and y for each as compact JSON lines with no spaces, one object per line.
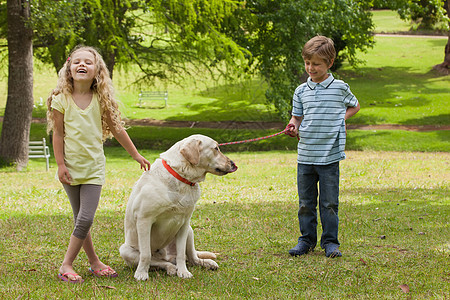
{"x":83,"y":145}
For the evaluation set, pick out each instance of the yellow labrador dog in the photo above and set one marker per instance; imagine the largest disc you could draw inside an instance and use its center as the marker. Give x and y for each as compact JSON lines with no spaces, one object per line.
{"x":157,"y":220}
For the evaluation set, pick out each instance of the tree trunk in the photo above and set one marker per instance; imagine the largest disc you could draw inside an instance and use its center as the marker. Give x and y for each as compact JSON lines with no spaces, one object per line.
{"x":444,"y":68}
{"x":110,"y":61}
{"x":19,"y":104}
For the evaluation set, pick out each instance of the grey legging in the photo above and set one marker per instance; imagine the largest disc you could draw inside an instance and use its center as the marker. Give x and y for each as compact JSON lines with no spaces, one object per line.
{"x":84,"y":200}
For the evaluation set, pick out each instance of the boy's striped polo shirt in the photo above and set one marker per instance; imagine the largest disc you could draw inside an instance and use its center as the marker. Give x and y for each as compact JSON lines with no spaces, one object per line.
{"x":322,"y":131}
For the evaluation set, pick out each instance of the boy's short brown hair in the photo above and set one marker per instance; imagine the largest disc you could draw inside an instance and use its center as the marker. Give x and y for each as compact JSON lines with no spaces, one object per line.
{"x":321,"y":46}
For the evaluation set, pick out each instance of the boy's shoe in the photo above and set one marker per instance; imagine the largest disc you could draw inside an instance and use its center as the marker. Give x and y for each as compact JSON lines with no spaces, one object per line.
{"x":332,"y":250}
{"x":300,"y":249}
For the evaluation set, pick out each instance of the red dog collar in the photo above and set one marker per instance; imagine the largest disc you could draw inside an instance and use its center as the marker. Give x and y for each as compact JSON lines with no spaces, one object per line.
{"x":175,"y":174}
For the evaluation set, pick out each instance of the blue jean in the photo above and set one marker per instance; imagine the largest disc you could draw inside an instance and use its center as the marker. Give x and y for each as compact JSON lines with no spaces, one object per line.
{"x":308,"y":177}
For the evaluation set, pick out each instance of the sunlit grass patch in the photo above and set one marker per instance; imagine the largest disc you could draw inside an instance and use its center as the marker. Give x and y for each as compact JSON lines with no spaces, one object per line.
{"x":394,"y":209}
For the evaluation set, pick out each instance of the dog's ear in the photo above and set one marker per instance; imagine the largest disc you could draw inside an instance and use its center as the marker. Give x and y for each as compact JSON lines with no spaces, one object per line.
{"x":191,"y":151}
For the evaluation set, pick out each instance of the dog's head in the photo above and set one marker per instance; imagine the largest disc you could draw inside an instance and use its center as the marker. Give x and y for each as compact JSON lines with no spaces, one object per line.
{"x":197,"y":155}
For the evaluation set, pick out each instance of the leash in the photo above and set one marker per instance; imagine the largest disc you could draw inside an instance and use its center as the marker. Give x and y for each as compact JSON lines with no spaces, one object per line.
{"x":288,"y":127}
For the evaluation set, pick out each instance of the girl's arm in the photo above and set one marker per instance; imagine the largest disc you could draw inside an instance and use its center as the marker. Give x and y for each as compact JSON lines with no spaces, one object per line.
{"x":124,"y":139}
{"x":351,"y":111}
{"x":58,"y":146}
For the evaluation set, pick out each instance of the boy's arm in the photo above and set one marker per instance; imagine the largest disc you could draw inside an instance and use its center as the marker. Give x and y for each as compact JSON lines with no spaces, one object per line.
{"x":351,"y":111}
{"x":124,"y":139}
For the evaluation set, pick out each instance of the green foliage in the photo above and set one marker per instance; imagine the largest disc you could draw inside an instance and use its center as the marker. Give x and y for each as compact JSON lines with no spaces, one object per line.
{"x":3,"y":21}
{"x":382,"y":4}
{"x":170,"y":39}
{"x":56,"y":27}
{"x":275,"y":32}
{"x":166,"y":39}
{"x":5,"y":164}
{"x":426,"y":13}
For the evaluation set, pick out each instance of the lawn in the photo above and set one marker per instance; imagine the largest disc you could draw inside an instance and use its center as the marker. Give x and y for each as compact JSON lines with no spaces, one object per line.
{"x":394,"y":200}
{"x":392,"y":89}
{"x":401,"y":88}
{"x":398,"y":89}
{"x":388,"y":21}
{"x":395,"y":85}
{"x":393,"y":227}
{"x":161,"y":138}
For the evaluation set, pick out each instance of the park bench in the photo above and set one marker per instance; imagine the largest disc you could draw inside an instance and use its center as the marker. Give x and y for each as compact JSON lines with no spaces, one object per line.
{"x":39,"y":149}
{"x":147,"y":97}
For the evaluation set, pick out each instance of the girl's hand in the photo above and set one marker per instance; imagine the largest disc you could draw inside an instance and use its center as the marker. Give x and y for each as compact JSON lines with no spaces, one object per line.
{"x":145,"y":164}
{"x":63,"y":175}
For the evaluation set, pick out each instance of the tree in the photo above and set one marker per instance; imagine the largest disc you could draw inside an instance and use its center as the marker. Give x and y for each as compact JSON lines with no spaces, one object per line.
{"x":427,"y":14}
{"x":56,"y":27}
{"x":17,"y":120}
{"x":443,"y":68}
{"x":166,"y":39}
{"x":275,"y":32}
{"x":171,"y":39}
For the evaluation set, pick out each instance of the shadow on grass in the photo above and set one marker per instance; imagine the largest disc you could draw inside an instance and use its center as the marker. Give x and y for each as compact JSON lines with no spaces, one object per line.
{"x":252,"y":239}
{"x":385,"y":87}
{"x":431,"y":120}
{"x":242,"y":101}
{"x":162,"y":138}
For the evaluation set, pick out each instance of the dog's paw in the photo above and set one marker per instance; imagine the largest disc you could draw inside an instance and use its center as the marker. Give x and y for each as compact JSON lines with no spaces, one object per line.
{"x":209,"y":264}
{"x":184,"y":274}
{"x":141,"y":275}
{"x":171,"y":270}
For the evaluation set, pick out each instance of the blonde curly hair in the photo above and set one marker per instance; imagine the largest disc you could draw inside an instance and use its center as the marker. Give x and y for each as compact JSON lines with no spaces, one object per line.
{"x":102,"y":86}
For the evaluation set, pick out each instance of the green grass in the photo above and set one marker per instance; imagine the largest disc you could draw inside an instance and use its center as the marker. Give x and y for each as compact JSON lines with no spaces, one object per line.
{"x":161,"y":138}
{"x":241,"y":100}
{"x":396,"y":85}
{"x":388,"y":21}
{"x":250,"y":219}
{"x":397,"y":89}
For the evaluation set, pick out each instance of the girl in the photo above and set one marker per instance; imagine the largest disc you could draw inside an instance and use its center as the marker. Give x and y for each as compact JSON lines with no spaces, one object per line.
{"x":82,"y":113}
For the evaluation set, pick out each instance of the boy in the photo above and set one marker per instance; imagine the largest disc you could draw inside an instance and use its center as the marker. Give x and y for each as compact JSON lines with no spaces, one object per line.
{"x":320,"y":107}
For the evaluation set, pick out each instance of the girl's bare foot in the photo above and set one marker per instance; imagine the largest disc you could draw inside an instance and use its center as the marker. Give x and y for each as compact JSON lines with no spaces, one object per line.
{"x":67,"y":273}
{"x":99,"y":269}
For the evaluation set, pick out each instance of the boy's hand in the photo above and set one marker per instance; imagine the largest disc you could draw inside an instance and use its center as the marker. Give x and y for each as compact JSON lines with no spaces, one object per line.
{"x":291,"y":130}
